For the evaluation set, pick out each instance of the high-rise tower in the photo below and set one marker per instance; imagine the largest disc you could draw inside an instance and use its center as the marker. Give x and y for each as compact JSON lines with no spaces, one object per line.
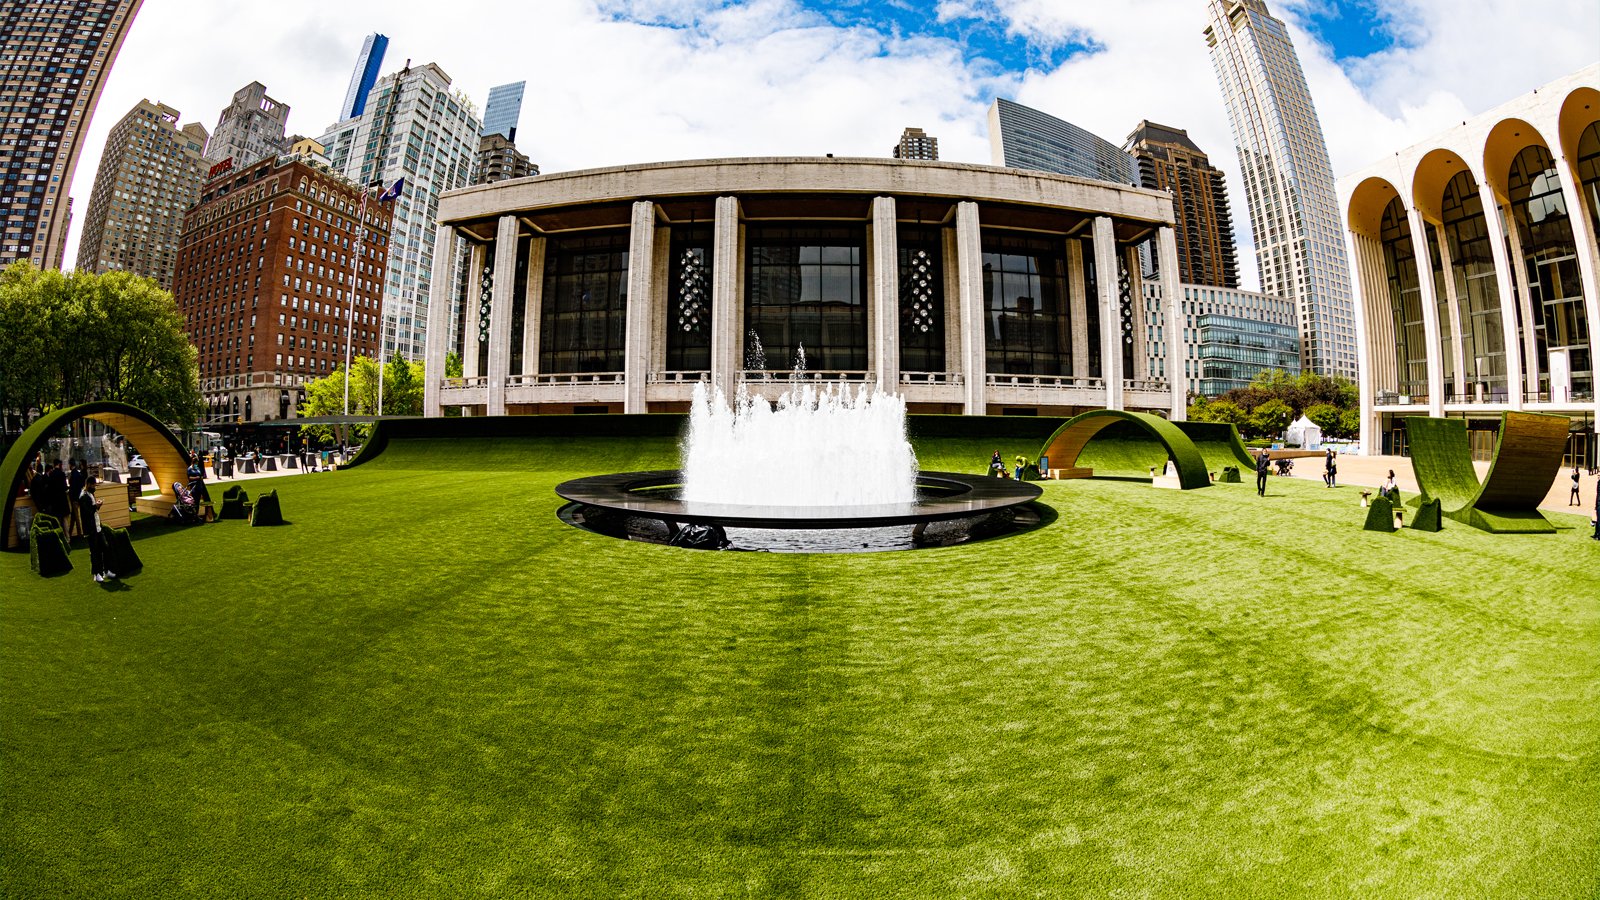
{"x":1288,"y":180}
{"x":916,"y":144}
{"x":503,"y":110}
{"x":416,"y":128}
{"x":54,"y":58}
{"x":1169,"y":161}
{"x":1022,"y":137}
{"x":251,"y":128}
{"x":368,"y":64}
{"x":150,"y":174}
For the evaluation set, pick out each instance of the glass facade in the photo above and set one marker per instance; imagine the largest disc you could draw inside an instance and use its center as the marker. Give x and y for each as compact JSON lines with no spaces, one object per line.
{"x":806,"y":287}
{"x":689,"y":299}
{"x":921,"y":298}
{"x":1029,"y":321}
{"x":585,"y":306}
{"x":1405,"y":305}
{"x":1234,"y":349}
{"x":1466,"y":233}
{"x":1589,"y":173}
{"x":1445,"y":348}
{"x":1551,"y":259}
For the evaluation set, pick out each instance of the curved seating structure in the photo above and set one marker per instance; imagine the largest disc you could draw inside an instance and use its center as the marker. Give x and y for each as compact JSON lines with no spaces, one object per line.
{"x":1527,"y":458}
{"x":164,"y":454}
{"x":1064,"y":447}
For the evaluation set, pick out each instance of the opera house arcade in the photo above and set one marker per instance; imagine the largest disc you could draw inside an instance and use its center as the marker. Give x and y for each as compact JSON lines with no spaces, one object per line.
{"x":1477,"y":273}
{"x":967,"y":289}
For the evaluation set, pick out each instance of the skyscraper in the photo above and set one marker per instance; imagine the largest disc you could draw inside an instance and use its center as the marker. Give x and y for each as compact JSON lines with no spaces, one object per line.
{"x":150,"y":174}
{"x":415,"y":128}
{"x":251,"y":128}
{"x":368,"y":64}
{"x":1021,"y":137}
{"x":1169,"y":161}
{"x":916,"y":144}
{"x":1288,"y":180}
{"x":54,"y":58}
{"x":504,"y":109}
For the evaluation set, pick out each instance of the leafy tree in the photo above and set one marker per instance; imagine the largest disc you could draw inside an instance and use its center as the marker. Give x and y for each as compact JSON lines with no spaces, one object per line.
{"x":1270,"y":418}
{"x":1228,"y":412}
{"x":402,"y":387}
{"x":1349,"y":423}
{"x":453,"y":368}
{"x":1328,"y":417}
{"x":66,"y":339}
{"x":402,"y":394}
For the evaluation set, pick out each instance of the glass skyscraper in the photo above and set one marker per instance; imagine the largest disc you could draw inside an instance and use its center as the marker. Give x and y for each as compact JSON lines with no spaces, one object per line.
{"x":1021,"y":137}
{"x":505,"y":107}
{"x":368,"y":64}
{"x":1288,"y":180}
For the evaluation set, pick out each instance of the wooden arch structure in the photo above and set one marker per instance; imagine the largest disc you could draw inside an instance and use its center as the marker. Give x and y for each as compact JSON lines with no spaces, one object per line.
{"x":1068,"y":442}
{"x":167,"y":458}
{"x":1527,"y":458}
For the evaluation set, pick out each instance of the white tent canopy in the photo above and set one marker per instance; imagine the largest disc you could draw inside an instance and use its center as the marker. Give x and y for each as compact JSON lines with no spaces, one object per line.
{"x":1305,"y":433}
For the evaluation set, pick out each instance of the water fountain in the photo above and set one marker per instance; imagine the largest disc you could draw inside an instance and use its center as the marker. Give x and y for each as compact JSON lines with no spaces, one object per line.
{"x":822,"y":470}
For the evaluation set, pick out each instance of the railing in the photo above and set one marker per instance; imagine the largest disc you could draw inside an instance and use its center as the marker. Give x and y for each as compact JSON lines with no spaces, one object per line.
{"x":1051,"y":381}
{"x":932,"y":378}
{"x":1145,"y":384}
{"x":566,"y":378}
{"x":1546,"y":396}
{"x":475,"y":381}
{"x":677,"y":377}
{"x":758,"y":376}
{"x":1391,"y":398}
{"x":1497,"y":396}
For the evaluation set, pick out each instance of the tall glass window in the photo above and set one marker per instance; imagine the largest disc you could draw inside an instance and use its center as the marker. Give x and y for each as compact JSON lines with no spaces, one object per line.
{"x":921,"y":300}
{"x":1405,"y":302}
{"x":1029,"y":319}
{"x":1551,"y":257}
{"x":584,"y":319}
{"x":1447,"y":328}
{"x":1589,"y":172}
{"x":689,"y":300}
{"x":807,"y":286}
{"x":1477,"y":292}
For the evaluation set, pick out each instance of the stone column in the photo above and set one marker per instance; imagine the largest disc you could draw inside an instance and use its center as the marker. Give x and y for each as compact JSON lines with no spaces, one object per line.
{"x":883,"y":296}
{"x":470,"y":352}
{"x":1504,"y":283}
{"x":1077,"y":292}
{"x":1105,"y":277}
{"x":949,"y":300}
{"x":660,"y":313}
{"x":1141,"y":355}
{"x":1172,"y":307}
{"x":726,"y":341}
{"x":505,"y":286}
{"x":438,"y":346}
{"x":974,"y":315}
{"x":1453,"y":309}
{"x":1532,"y":365}
{"x":1368,"y":435}
{"x":1585,"y":241}
{"x":533,"y":310}
{"x":1422,"y":260}
{"x":641,"y":301}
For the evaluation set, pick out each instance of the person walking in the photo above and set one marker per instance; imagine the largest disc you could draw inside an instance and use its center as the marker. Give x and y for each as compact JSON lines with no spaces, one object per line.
{"x":1577,"y":497}
{"x":89,"y":509}
{"x":75,"y":482}
{"x":1597,"y":515}
{"x":1330,"y":470}
{"x":1263,"y":463}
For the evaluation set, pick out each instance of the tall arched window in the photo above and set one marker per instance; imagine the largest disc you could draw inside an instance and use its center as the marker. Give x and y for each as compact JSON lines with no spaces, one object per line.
{"x":1466,"y":232}
{"x":1551,"y":259}
{"x":1405,"y":303}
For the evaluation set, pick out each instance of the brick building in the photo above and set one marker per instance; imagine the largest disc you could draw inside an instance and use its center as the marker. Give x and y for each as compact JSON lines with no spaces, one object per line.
{"x":266,"y":276}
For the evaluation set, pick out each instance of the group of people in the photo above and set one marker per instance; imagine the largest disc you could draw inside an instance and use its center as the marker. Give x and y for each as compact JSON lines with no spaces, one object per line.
{"x":69,"y":498}
{"x":997,"y":467}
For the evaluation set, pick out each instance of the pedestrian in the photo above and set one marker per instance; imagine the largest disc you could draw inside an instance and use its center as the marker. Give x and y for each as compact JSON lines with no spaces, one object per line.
{"x":1597,"y":515}
{"x":1390,"y":489}
{"x":996,"y":464}
{"x":1263,"y":464}
{"x":60,"y":500}
{"x":1330,"y":470}
{"x":89,"y":509}
{"x":197,"y":478}
{"x":1022,"y":463}
{"x":75,"y":482}
{"x":1577,"y":498}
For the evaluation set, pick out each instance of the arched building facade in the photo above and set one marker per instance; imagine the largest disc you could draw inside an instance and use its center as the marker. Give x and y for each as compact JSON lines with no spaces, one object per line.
{"x":1476,"y":270}
{"x":967,"y":289}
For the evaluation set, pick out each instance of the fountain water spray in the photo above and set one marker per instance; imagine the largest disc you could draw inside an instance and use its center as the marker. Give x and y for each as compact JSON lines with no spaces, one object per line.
{"x":828,"y":447}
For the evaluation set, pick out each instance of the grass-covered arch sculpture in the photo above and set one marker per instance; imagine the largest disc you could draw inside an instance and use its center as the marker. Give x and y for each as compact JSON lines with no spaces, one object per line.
{"x":1068,"y":442}
{"x":163,"y":452}
{"x":1527,"y":458}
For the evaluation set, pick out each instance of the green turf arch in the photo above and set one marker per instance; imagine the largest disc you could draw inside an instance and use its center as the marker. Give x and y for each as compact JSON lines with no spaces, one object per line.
{"x":1065,"y":445}
{"x":164,"y":453}
{"x":1527,"y":456}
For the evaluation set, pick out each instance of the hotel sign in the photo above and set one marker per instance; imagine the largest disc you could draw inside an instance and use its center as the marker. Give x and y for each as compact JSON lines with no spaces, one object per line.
{"x":221,"y":167}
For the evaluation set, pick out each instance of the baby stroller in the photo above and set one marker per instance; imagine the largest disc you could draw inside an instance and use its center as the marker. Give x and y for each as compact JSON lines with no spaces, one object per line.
{"x":185,"y":511}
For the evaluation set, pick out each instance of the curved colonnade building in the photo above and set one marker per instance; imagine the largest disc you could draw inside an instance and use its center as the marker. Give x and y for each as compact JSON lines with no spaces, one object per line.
{"x":967,"y":289}
{"x":1476,"y":270}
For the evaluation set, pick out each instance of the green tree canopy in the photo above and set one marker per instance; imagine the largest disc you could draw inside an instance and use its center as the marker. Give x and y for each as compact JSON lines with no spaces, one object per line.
{"x":1270,"y":418}
{"x":402,"y":394}
{"x":66,"y":339}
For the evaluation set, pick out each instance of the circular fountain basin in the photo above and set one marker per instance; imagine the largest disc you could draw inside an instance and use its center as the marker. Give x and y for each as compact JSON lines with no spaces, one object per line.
{"x":942,"y":496}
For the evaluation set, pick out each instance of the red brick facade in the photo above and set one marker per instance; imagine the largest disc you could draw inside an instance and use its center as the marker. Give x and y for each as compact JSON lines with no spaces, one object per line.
{"x":264,"y":277}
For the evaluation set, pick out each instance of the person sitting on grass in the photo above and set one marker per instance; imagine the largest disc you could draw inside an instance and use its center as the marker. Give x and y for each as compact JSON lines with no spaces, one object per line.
{"x":1390,"y":489}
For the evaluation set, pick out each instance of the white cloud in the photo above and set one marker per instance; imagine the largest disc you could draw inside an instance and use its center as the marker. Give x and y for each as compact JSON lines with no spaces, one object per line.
{"x":641,"y":80}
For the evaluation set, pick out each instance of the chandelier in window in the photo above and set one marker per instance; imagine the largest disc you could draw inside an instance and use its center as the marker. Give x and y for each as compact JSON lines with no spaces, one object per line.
{"x":916,"y":294}
{"x":485,"y":303}
{"x":693,"y":298}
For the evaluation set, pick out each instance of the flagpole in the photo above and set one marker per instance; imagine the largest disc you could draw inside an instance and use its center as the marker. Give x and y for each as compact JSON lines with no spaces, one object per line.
{"x":350,"y":318}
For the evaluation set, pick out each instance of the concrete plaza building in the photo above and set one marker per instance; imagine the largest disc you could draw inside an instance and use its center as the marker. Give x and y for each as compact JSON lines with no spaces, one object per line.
{"x":1229,"y":336}
{"x":967,"y":289}
{"x":1477,"y":275}
{"x":54,"y":59}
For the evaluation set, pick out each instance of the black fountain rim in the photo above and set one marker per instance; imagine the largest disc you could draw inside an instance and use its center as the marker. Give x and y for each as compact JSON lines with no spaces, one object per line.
{"x":967,"y":496}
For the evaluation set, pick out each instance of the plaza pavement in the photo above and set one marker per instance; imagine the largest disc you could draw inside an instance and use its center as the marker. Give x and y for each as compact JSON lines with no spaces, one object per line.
{"x":1370,"y":471}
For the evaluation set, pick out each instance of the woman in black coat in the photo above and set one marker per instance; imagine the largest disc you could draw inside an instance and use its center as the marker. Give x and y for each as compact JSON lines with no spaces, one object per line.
{"x":89,"y":510}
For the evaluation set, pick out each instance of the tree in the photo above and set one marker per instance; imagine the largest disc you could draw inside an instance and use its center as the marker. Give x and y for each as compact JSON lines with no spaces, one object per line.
{"x":1229,"y":413}
{"x":402,"y":394}
{"x":1327,"y":417}
{"x":1350,"y":423}
{"x":453,"y":368}
{"x":1269,"y":419}
{"x":67,"y":339}
{"x":402,"y":387}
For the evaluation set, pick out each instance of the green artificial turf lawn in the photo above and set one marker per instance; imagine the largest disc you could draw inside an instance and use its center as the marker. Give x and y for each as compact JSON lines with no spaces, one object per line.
{"x":425,"y":685}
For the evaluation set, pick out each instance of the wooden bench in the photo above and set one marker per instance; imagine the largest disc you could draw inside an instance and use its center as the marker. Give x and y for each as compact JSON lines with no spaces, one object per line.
{"x":155,"y":505}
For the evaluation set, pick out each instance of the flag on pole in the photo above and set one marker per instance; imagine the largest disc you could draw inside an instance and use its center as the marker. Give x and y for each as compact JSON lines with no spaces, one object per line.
{"x":393,"y":192}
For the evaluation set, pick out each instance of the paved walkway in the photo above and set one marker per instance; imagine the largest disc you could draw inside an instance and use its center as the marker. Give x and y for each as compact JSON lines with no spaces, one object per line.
{"x":1372,"y":470}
